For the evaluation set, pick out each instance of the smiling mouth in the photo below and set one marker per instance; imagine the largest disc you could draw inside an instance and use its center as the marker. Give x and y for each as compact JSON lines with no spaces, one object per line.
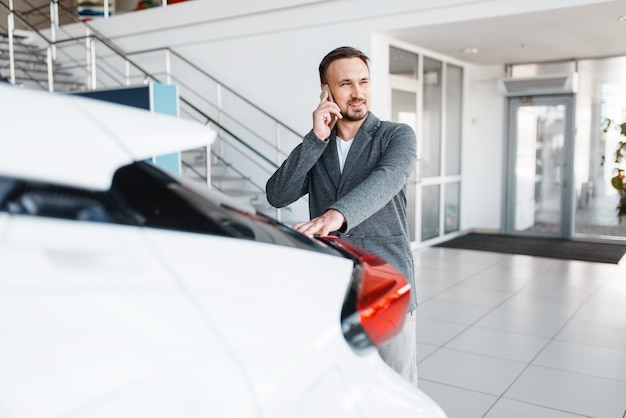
{"x":356,"y":104}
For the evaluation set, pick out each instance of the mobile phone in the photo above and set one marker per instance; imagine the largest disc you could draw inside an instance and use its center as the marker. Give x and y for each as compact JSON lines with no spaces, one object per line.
{"x":330,"y":96}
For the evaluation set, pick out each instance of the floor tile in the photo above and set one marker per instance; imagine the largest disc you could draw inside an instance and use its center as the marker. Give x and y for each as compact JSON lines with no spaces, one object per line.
{"x":436,"y":332}
{"x":446,"y":277}
{"x":570,"y":392}
{"x":521,"y":322}
{"x":470,"y":371}
{"x":577,"y":294}
{"x":543,"y":305}
{"x":582,"y":269}
{"x":427,"y":290}
{"x":425,"y":350}
{"x":515,"y":269}
{"x":506,"y":408}
{"x":485,"y":297}
{"x":499,"y":344}
{"x":486,"y":281}
{"x":452,"y":311}
{"x":599,"y":310}
{"x":584,"y":359}
{"x":456,"y":260}
{"x":616,"y":282}
{"x":593,"y":333}
{"x":457,"y":402}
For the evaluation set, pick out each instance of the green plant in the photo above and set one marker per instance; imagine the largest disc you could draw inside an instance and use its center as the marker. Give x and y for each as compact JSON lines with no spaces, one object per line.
{"x":619,"y":180}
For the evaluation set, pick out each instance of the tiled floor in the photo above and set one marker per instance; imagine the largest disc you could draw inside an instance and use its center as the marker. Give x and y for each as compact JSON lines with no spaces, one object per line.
{"x":511,"y":336}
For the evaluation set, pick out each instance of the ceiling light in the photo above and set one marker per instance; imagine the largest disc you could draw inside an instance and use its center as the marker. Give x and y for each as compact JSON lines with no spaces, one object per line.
{"x":622,"y":18}
{"x":470,"y":50}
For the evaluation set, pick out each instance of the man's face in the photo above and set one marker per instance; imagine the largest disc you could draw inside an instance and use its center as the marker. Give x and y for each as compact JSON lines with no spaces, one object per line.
{"x":349,"y":81}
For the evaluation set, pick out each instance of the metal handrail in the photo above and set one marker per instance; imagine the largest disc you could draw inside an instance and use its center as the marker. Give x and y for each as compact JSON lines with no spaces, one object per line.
{"x":200,"y":70}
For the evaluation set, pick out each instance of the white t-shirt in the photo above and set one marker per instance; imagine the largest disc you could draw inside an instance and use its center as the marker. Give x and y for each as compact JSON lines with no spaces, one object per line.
{"x":342,"y":150}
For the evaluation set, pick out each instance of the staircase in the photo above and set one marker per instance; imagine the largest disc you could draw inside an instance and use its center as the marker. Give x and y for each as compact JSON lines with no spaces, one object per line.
{"x":226,"y":179}
{"x":31,"y":64}
{"x":250,"y":143}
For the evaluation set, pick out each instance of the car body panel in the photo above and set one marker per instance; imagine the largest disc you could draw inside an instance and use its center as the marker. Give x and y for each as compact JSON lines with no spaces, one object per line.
{"x":115,"y":334}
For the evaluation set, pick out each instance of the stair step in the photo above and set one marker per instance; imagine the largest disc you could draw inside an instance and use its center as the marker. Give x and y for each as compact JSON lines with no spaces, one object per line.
{"x":229,"y":183}
{"x":218,"y":170}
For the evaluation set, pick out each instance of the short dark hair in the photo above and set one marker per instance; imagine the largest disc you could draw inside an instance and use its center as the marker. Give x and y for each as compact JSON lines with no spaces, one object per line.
{"x":339,"y":53}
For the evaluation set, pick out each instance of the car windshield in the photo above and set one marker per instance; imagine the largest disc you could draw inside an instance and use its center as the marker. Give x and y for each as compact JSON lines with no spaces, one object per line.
{"x":146,"y":196}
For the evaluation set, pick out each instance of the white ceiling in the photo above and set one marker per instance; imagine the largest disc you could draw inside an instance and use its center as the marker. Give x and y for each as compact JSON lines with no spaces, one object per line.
{"x":589,"y":31}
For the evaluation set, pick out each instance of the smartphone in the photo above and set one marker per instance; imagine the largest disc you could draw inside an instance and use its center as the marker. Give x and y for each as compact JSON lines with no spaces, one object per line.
{"x":330,"y":98}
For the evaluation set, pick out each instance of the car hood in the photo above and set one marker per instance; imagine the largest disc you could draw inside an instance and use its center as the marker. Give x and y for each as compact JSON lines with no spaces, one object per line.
{"x":80,"y":141}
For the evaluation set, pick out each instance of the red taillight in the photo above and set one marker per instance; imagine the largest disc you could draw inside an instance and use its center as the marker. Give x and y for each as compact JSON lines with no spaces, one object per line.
{"x":380,"y":300}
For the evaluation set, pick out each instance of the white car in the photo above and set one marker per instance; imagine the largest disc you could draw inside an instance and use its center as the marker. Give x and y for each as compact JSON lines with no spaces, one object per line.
{"x":127,"y":291}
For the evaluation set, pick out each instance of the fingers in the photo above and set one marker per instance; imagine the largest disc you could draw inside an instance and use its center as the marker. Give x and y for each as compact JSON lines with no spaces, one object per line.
{"x":327,"y":111}
{"x":323,"y":225}
{"x":309,"y":229}
{"x":324,"y":118}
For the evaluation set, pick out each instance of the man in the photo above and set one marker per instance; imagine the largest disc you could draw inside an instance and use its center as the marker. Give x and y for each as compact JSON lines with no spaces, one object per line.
{"x":355,"y":168}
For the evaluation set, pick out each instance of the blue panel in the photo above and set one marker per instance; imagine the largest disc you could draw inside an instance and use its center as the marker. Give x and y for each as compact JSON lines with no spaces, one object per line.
{"x":165,"y":100}
{"x":131,"y":96}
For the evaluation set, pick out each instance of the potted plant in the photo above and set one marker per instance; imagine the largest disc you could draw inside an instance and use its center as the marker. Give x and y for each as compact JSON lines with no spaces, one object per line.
{"x":619,"y":180}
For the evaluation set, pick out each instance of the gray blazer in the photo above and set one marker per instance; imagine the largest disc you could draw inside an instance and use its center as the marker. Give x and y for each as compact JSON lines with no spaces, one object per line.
{"x":370,"y":193}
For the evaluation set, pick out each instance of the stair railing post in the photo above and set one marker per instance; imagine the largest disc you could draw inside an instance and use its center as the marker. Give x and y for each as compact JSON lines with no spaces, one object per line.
{"x":220,"y":122}
{"x":127,"y":72}
{"x":207,"y":162}
{"x":11,"y":26}
{"x":54,"y":24}
{"x":94,"y":64}
{"x":277,"y":150}
{"x":90,"y":48}
{"x":168,"y":66}
{"x":49,"y":64}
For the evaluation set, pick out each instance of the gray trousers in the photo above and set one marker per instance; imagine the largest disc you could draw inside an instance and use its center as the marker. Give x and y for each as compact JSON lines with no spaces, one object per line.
{"x":400,"y":353}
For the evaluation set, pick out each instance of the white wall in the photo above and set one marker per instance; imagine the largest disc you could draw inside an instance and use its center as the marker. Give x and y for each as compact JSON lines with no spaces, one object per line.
{"x":483,"y":150}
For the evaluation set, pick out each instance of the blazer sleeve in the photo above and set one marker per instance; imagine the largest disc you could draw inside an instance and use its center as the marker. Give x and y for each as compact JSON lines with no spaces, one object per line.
{"x":290,"y":181}
{"x":386,"y":180}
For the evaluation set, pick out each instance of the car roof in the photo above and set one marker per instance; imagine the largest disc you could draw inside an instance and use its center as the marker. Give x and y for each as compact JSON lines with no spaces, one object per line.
{"x":81,"y":142}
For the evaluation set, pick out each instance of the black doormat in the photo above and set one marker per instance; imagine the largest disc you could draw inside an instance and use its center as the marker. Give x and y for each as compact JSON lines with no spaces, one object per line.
{"x":541,"y":247}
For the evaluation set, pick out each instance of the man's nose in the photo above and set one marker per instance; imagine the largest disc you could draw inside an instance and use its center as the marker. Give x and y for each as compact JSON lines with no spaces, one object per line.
{"x":357,"y":91}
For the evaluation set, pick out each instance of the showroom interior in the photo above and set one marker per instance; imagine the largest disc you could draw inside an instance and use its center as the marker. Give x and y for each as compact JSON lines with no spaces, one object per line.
{"x":509,"y":101}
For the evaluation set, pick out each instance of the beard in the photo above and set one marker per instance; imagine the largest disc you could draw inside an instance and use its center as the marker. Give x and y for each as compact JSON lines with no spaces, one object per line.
{"x":357,"y":115}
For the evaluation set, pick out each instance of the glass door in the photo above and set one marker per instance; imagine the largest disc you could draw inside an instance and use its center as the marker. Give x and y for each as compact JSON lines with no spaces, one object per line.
{"x":540,"y":162}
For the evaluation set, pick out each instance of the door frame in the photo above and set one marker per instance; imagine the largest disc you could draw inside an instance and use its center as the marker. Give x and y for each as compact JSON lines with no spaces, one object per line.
{"x":414,"y":184}
{"x":568,"y":208}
